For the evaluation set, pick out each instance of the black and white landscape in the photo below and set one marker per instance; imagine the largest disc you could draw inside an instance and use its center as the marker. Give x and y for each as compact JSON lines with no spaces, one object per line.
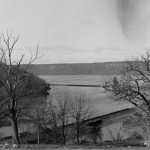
{"x":74,"y":72}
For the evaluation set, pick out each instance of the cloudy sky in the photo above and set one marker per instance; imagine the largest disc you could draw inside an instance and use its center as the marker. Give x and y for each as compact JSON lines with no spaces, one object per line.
{"x":72,"y":31}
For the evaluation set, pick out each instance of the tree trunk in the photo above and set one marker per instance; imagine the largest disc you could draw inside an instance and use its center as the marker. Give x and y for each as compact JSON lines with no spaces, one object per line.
{"x":64,"y":139}
{"x":38,"y":132}
{"x":64,"y":135}
{"x":55,"y":128}
{"x":78,"y":136}
{"x":15,"y":135}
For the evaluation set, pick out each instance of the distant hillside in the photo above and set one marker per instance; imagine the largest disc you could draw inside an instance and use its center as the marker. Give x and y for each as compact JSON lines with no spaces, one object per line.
{"x":106,"y":68}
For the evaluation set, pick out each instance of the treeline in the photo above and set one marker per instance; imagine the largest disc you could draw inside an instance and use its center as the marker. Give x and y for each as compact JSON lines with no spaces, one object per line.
{"x":106,"y":68}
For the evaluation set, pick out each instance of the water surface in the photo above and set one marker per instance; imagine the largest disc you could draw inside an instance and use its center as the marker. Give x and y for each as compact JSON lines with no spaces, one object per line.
{"x":102,"y":101}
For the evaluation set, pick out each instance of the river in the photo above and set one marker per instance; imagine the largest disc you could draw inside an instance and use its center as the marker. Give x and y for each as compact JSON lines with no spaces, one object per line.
{"x":102,"y":101}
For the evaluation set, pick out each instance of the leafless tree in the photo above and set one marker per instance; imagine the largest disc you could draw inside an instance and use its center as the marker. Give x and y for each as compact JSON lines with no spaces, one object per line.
{"x":134,"y":83}
{"x":36,"y":115}
{"x":81,"y":110}
{"x":16,"y":84}
{"x":59,"y":113}
{"x":53,"y":118}
{"x":63,"y":104}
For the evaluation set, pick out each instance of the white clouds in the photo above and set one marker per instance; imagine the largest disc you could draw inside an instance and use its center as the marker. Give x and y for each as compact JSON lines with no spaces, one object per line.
{"x":74,"y":28}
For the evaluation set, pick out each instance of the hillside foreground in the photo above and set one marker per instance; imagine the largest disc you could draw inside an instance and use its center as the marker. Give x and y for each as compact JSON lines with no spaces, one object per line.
{"x":75,"y":147}
{"x":134,"y":148}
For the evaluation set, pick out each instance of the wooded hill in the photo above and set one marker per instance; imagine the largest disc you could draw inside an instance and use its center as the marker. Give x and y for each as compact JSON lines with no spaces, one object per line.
{"x":106,"y":68}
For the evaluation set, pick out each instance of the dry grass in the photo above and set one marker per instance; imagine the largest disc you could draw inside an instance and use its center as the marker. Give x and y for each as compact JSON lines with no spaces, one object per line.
{"x":139,"y":148}
{"x":60,"y":147}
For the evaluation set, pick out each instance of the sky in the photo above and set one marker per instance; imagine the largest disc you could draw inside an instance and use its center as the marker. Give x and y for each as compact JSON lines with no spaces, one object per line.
{"x":77,"y":31}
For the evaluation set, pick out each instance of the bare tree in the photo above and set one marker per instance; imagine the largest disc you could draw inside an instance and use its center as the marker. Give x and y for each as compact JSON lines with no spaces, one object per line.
{"x":16,"y":84}
{"x":81,"y":110}
{"x":59,"y":113}
{"x":133,"y":85}
{"x":53,"y":118}
{"x":63,"y":104}
{"x":36,"y":114}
